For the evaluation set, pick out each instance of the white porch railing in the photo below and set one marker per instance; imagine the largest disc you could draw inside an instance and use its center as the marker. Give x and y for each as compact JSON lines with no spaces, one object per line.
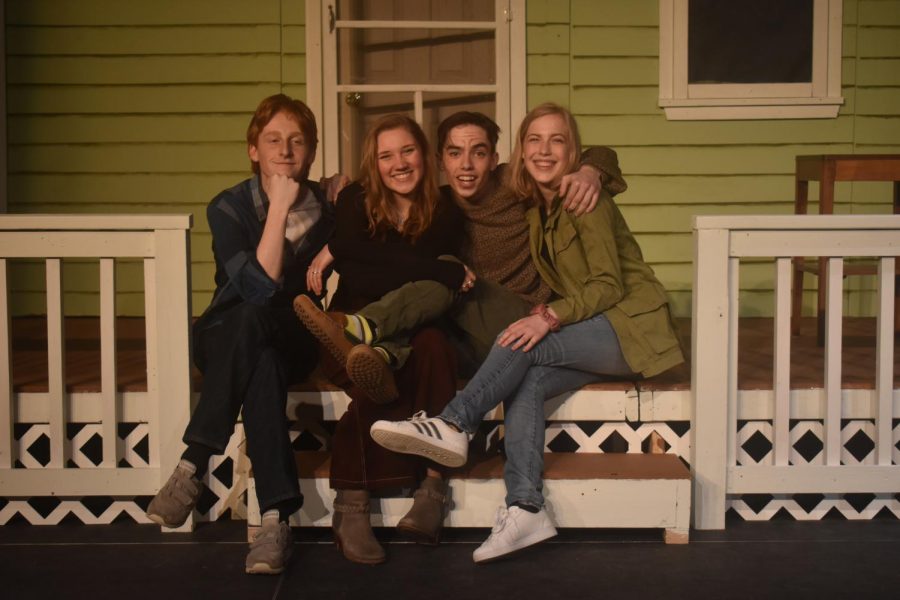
{"x":719,"y":245}
{"x":162,"y":242}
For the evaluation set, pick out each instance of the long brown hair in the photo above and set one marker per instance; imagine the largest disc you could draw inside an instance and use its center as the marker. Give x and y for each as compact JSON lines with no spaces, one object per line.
{"x":379,"y":197}
{"x":519,"y":179}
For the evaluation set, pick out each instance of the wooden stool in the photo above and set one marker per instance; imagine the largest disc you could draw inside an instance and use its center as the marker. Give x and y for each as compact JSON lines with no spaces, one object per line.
{"x":826,"y":169}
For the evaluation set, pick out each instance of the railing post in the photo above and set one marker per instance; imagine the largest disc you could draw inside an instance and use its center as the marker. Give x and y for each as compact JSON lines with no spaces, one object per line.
{"x":172,"y":310}
{"x":710,"y":375}
{"x":108,"y":384}
{"x":7,"y":403}
{"x":781,"y":367}
{"x":833,"y":340}
{"x":884,"y":362}
{"x":56,"y":364}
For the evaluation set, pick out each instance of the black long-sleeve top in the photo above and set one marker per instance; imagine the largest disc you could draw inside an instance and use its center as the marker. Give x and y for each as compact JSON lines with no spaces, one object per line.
{"x":371,"y":267}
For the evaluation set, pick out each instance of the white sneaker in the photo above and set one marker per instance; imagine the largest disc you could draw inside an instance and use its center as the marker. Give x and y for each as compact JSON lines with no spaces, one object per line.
{"x":514,"y":529}
{"x":432,"y":438}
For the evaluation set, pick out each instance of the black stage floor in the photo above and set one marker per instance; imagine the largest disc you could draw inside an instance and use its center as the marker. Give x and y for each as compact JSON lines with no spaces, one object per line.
{"x":774,"y":559}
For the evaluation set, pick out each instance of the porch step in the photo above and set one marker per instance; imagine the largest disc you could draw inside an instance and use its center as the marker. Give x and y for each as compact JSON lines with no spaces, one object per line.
{"x":582,"y":490}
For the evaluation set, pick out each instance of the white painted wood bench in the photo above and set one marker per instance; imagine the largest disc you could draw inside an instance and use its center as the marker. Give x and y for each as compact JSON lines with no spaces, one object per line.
{"x":595,"y":490}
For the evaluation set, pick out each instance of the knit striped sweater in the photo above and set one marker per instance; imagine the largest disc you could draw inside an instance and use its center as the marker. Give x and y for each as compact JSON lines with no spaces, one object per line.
{"x":496,"y":243}
{"x":495,"y":246}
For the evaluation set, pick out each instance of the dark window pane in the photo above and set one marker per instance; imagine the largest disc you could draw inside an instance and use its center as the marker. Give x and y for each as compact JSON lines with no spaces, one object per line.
{"x":750,"y":41}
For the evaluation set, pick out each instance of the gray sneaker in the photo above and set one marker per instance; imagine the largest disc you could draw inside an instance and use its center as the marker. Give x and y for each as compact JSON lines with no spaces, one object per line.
{"x":271,"y":549}
{"x":177,"y":498}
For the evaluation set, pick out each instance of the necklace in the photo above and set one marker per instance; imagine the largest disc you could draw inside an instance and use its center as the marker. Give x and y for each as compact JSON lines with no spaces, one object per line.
{"x":398,"y":219}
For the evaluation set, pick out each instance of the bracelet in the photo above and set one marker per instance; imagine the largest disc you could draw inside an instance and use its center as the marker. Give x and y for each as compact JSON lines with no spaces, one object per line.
{"x":543,"y":311}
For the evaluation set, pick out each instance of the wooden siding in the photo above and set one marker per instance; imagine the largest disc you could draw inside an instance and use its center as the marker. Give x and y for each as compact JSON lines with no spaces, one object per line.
{"x":141,"y":107}
{"x":118,"y":107}
{"x":600,"y":58}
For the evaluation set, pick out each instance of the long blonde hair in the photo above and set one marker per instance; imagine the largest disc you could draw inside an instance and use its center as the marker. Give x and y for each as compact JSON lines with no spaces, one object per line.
{"x":379,"y":197}
{"x":519,"y":178}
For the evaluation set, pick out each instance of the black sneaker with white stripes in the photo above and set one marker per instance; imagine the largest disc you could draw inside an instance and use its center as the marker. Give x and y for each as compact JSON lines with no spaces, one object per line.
{"x":431,"y":437}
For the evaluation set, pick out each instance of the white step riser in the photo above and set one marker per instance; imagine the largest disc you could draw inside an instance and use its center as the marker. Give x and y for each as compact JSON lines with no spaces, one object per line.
{"x":613,"y":503}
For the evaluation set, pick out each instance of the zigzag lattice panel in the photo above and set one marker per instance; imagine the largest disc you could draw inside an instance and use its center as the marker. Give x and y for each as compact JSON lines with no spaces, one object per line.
{"x":226,"y":480}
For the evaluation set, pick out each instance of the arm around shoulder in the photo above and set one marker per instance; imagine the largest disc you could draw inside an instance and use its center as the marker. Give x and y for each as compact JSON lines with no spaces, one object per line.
{"x":606,"y":161}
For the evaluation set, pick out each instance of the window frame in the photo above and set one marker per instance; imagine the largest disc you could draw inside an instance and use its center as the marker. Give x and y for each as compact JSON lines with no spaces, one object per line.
{"x":819,"y":99}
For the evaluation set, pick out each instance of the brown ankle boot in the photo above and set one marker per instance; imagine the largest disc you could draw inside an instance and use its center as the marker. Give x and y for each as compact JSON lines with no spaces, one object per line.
{"x":352,"y":529}
{"x":424,"y":520}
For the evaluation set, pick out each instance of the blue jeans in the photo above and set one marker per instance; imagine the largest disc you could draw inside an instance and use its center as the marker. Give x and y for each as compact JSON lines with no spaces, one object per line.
{"x":574,"y":356}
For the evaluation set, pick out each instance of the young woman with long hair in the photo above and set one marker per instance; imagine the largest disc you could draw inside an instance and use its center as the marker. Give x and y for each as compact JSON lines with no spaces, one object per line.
{"x":391,"y":227}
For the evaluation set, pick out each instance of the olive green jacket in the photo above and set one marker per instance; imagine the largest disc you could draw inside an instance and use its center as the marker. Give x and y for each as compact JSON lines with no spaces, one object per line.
{"x":596,"y":266}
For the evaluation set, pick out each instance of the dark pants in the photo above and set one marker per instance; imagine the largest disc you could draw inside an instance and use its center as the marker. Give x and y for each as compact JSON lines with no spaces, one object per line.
{"x":249,"y":355}
{"x":475,"y":318}
{"x":426,"y":382}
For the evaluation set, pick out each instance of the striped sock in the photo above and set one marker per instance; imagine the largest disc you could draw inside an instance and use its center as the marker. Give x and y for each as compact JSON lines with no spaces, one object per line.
{"x":360,"y":328}
{"x":388,"y":358}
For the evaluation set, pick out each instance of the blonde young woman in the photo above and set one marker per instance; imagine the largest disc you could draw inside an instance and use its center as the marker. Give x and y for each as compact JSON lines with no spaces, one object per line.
{"x":608,"y":317}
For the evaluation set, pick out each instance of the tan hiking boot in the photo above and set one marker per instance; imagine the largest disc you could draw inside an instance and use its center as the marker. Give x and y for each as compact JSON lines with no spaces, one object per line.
{"x":352,"y":529}
{"x":177,"y":498}
{"x":369,"y":371}
{"x":425,"y":519}
{"x":271,"y":549}
{"x":327,"y":327}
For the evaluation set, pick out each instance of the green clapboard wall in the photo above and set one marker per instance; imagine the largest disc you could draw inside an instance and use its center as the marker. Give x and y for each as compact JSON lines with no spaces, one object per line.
{"x":600,"y":57}
{"x":137,"y":107}
{"x":141,"y":107}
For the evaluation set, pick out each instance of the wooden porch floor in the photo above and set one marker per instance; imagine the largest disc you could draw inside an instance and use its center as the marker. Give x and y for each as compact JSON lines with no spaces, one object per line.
{"x":29,"y":356}
{"x":775,"y":559}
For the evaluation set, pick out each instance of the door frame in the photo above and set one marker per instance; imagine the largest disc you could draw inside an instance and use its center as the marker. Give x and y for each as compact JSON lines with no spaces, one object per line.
{"x":323,"y":95}
{"x":3,"y":139}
